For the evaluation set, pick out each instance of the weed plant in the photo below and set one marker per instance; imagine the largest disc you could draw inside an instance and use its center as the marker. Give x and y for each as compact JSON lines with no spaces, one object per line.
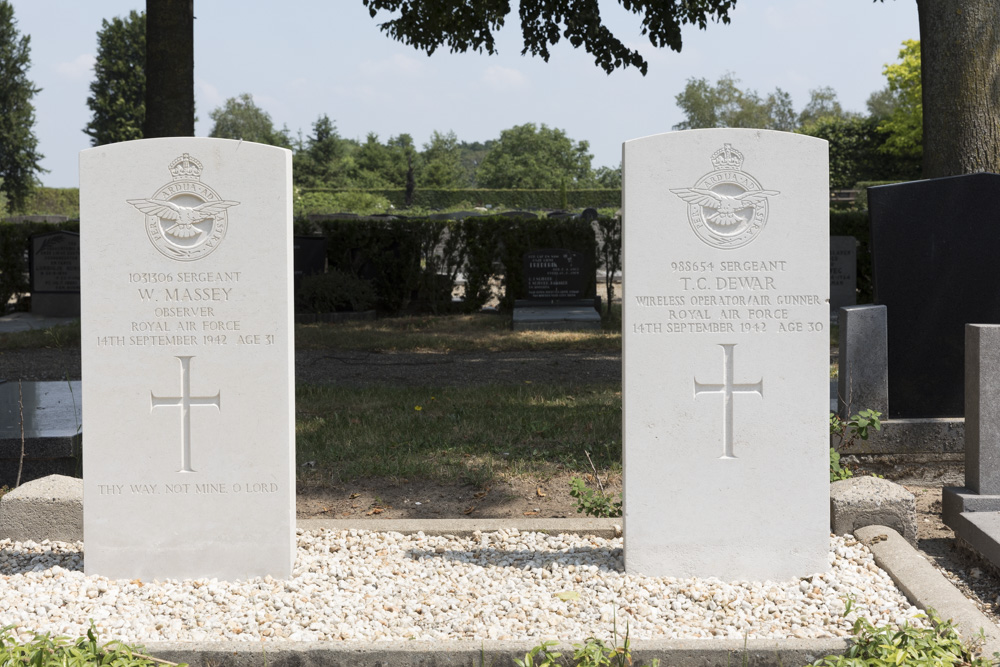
{"x":937,"y":646}
{"x":48,"y":651}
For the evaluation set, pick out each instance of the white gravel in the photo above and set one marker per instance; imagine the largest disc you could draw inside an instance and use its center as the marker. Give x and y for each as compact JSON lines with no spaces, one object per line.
{"x":367,"y":586}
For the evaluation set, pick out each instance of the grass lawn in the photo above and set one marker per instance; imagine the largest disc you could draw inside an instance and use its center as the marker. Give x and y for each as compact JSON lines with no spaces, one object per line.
{"x":474,"y":435}
{"x":446,"y":434}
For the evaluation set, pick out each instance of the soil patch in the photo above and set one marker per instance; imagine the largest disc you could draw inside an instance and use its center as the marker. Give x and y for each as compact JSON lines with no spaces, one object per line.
{"x":523,"y":496}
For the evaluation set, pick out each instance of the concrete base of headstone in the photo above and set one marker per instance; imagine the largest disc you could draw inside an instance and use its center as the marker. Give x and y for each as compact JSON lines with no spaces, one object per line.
{"x":39,"y":430}
{"x":870,"y":501}
{"x":574,"y":315}
{"x":50,"y":508}
{"x":911,"y":436}
{"x":978,"y":531}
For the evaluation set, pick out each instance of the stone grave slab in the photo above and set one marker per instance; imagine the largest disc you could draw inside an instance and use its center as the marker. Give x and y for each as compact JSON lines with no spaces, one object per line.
{"x":49,"y":418}
{"x":934,"y":244}
{"x":54,"y":270}
{"x":187,"y":360}
{"x":726,"y":352}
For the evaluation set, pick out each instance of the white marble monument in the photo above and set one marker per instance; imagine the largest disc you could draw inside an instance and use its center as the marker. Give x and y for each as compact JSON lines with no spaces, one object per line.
{"x":726,"y":355}
{"x":188,"y":402}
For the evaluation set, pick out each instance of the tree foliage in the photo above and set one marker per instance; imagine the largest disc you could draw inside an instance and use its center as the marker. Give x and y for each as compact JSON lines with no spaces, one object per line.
{"x":117,"y":98}
{"x":461,"y":26}
{"x":19,"y":156}
{"x":726,"y":105}
{"x":530,"y":156}
{"x":241,"y":118}
{"x":904,"y":121}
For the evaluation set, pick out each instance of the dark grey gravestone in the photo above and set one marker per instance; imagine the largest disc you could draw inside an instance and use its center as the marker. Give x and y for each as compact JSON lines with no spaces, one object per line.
{"x":934,"y":250}
{"x":590,"y":214}
{"x":554,"y":274}
{"x":45,"y":419}
{"x":54,"y":267}
{"x":963,"y":507}
{"x":861,"y":382}
{"x":308,"y":256}
{"x":982,"y":420}
{"x":843,"y":272}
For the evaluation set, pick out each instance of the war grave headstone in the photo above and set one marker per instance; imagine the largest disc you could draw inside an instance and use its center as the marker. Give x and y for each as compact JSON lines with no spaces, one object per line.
{"x":54,"y":269}
{"x":559,"y":289}
{"x":934,"y":244}
{"x":725,"y":355}
{"x":48,"y":417}
{"x":843,"y":272}
{"x":187,"y":359}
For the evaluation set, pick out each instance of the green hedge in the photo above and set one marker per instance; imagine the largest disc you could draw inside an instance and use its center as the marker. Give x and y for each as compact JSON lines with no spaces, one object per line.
{"x":54,"y":201}
{"x":415,"y":262}
{"x":517,"y":199}
{"x":14,"y":238}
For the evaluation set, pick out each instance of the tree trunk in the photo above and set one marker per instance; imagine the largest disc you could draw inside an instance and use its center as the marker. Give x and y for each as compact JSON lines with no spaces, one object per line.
{"x":960,"y":78}
{"x":169,"y":68}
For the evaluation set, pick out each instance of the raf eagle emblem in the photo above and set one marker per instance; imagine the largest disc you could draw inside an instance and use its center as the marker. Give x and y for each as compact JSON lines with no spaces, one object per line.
{"x":186,"y":216}
{"x":726,"y":205}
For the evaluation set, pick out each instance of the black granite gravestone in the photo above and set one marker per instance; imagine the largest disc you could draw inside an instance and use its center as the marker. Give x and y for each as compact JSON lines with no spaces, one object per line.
{"x":555,"y":274}
{"x":935,"y":245}
{"x":54,"y":267}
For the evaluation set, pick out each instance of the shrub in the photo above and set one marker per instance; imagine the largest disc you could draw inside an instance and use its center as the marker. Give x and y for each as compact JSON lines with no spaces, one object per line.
{"x":336,"y":291}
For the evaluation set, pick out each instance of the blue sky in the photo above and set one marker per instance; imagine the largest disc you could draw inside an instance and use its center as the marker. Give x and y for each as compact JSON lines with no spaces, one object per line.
{"x":303,"y":58}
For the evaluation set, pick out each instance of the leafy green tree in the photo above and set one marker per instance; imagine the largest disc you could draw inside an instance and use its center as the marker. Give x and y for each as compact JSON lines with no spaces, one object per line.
{"x":823,"y":103}
{"x":856,"y":151}
{"x":530,"y":156}
{"x":241,"y":118}
{"x":904,"y":121}
{"x":726,"y":105}
{"x":19,"y":156}
{"x":323,"y":159}
{"x":470,"y":156}
{"x":462,"y":26}
{"x":442,"y":162}
{"x":608,"y":177}
{"x":117,"y":98}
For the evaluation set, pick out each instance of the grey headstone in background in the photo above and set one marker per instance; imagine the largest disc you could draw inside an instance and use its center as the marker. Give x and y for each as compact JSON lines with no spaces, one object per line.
{"x":863,"y":382}
{"x":843,"y":272}
{"x":982,"y":420}
{"x":54,"y":267}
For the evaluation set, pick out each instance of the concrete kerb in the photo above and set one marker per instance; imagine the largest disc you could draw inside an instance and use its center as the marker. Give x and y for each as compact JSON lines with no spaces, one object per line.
{"x":474,"y":653}
{"x":926,"y":587}
{"x":919,"y":580}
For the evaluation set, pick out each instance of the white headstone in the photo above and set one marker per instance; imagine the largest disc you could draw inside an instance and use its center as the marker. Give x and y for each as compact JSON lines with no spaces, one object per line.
{"x":187,"y":340}
{"x":726,"y":353}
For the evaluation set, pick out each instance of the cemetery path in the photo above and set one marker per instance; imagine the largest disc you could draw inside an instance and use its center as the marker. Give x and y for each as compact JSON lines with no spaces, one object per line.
{"x":351,"y":368}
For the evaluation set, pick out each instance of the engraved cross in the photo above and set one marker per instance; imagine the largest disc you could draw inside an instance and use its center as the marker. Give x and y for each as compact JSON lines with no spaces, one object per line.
{"x":727,"y":389}
{"x":185,"y":402}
